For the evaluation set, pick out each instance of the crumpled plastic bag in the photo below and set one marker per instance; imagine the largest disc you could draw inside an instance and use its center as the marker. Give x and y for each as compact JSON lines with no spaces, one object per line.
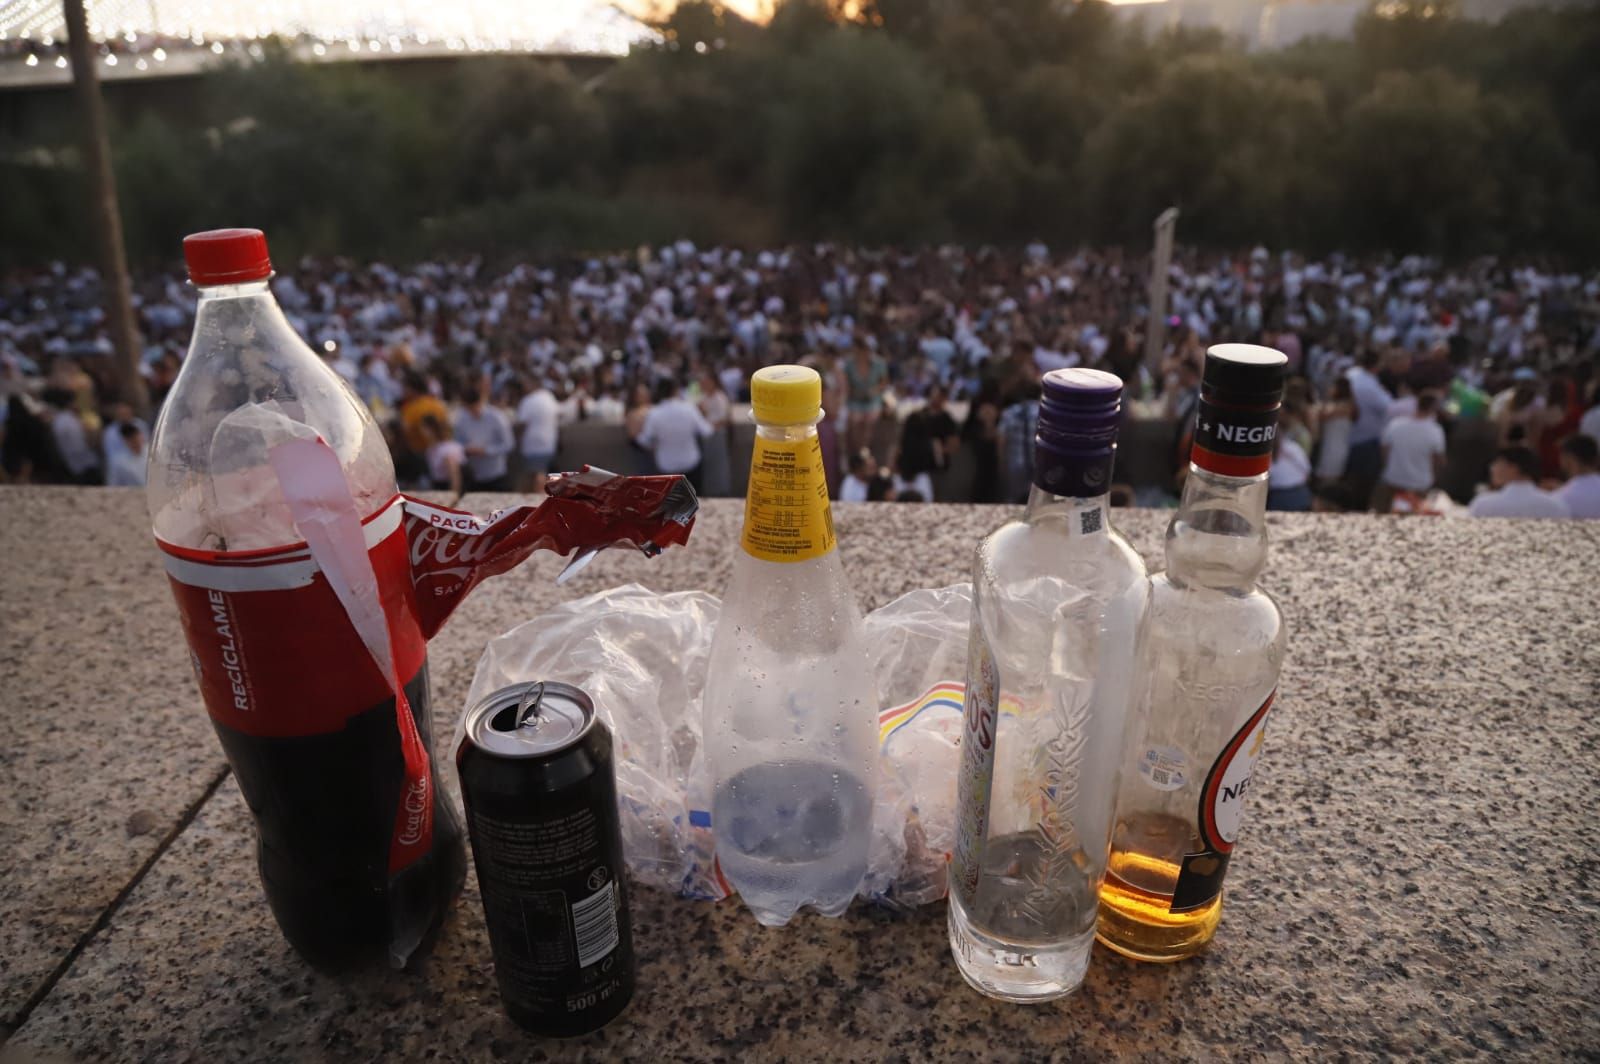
{"x":641,"y":656}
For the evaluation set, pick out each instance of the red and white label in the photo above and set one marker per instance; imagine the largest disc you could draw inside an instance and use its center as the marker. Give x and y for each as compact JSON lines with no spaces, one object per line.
{"x":276,"y":656}
{"x":1222,"y":800}
{"x":273,"y":651}
{"x":294,"y":641}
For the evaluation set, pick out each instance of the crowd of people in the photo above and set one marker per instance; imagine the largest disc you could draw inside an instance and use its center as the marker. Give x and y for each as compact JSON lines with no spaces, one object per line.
{"x":931,"y":361}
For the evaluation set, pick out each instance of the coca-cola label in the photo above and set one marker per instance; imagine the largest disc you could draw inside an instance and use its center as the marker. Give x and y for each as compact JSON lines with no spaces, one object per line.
{"x":451,"y":550}
{"x":413,"y":829}
{"x":273,"y":650}
{"x":277,"y":655}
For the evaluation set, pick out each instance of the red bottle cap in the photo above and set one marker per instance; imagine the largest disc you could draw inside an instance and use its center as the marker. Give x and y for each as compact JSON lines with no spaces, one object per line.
{"x":227,"y":256}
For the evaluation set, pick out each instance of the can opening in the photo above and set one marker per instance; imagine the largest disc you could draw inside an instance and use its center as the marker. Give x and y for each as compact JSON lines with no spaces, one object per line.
{"x":523,"y":714}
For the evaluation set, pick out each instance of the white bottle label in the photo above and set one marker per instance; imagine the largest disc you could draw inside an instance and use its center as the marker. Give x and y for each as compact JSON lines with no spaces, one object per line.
{"x":1221,"y":812}
{"x":1222,"y":802}
{"x":980,"y":725}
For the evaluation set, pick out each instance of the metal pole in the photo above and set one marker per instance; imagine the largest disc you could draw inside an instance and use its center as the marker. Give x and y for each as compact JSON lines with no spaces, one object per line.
{"x":1155,"y":333}
{"x":126,"y":383}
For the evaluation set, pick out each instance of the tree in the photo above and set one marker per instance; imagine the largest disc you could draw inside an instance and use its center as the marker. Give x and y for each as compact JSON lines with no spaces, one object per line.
{"x":1546,"y":197}
{"x":117,"y":293}
{"x":1411,"y":164}
{"x":524,"y":122}
{"x":1238,"y":151}
{"x":1051,"y":110}
{"x":867,"y":120}
{"x":342,"y":158}
{"x":863,"y":139}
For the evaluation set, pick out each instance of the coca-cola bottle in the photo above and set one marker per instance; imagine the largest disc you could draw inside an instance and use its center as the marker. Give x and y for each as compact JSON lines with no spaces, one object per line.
{"x":273,"y":500}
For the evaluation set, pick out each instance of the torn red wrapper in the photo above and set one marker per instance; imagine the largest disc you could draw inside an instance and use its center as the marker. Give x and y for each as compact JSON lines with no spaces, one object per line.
{"x":452,"y":550}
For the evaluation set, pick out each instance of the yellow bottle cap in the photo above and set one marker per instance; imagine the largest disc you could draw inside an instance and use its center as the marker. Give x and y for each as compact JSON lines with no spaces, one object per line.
{"x":786,"y":395}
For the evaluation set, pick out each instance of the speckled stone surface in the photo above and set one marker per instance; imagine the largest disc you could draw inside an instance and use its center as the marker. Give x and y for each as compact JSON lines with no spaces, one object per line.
{"x":102,"y":745}
{"x":1416,"y":878}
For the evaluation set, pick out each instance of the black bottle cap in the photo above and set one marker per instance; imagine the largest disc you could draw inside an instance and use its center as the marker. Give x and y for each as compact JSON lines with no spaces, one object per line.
{"x":1244,"y":375}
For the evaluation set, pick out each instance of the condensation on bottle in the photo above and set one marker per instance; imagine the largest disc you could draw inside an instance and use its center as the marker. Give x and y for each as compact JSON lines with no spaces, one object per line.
{"x":790,"y":705}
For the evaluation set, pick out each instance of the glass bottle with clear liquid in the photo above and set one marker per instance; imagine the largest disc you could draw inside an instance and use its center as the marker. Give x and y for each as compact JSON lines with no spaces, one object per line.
{"x":791,"y":706}
{"x":1058,"y":603}
{"x":1214,"y":648}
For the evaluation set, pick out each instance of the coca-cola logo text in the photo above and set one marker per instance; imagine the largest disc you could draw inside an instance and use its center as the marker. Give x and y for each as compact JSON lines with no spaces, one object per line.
{"x":435,"y":547}
{"x":416,"y":808}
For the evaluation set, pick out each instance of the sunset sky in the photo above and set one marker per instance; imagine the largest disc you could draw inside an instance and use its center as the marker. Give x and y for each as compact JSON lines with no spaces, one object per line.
{"x":758,"y":9}
{"x":578,"y":25}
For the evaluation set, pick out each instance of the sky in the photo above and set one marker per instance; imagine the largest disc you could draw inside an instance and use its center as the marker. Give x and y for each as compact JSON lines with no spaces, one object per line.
{"x":573,"y":25}
{"x":760,"y":9}
{"x":556,"y":25}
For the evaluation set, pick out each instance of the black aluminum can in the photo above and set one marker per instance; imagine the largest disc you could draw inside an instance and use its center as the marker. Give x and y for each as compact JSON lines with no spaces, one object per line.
{"x":540,"y":789}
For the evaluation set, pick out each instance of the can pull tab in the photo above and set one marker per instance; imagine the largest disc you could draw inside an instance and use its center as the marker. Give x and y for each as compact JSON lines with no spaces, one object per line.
{"x":528,"y":708}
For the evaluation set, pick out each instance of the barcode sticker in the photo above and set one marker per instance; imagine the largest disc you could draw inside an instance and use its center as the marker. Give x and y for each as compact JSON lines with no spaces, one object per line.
{"x":1090,"y":521}
{"x":1163,"y":767}
{"x":594,"y":925}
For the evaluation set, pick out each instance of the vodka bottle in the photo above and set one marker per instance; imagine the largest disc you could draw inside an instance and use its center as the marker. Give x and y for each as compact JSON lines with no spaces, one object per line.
{"x":791,"y":707}
{"x":1058,"y":601}
{"x":1213,"y":651}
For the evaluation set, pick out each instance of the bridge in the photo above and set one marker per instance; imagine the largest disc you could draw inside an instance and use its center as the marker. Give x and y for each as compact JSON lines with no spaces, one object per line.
{"x":140,"y":39}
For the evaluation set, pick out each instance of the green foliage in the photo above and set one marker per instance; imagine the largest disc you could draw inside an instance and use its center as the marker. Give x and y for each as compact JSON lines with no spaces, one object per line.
{"x":884,"y":120}
{"x":1240,"y":152}
{"x":524,"y":125}
{"x":863,"y":140}
{"x":1413,"y":151}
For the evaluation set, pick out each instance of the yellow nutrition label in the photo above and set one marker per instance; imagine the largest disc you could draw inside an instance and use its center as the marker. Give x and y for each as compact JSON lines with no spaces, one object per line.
{"x":786,"y":513}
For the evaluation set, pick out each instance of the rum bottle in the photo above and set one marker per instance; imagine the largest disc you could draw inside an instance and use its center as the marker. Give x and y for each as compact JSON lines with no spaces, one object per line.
{"x":1211,"y":658}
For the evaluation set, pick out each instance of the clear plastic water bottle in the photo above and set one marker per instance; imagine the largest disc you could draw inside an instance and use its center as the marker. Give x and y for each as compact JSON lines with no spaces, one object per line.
{"x":791,"y":705}
{"x":1059,"y":601}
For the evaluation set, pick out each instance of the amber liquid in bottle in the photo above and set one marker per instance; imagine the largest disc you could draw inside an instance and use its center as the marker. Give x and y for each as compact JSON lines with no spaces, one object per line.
{"x":1136,"y":918}
{"x":1213,"y":648}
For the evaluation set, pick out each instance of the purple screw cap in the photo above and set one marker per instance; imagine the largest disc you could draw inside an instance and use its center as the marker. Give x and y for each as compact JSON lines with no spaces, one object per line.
{"x":1079,"y":415}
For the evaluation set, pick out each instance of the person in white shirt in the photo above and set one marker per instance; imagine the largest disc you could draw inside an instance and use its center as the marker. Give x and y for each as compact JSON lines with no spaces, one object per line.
{"x":1580,"y":461}
{"x":126,"y":467}
{"x":485,"y":433}
{"x":1402,"y":406}
{"x":445,"y":457}
{"x":1336,"y":417}
{"x":72,"y":439}
{"x":1289,"y":477}
{"x":1590,"y":424}
{"x":718,"y":410}
{"x":1514,"y":492}
{"x":672,"y":431}
{"x":539,"y":416}
{"x":111,"y":440}
{"x":1372,"y":401}
{"x":917,"y":489}
{"x":857,"y":486}
{"x":1413,"y":453}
